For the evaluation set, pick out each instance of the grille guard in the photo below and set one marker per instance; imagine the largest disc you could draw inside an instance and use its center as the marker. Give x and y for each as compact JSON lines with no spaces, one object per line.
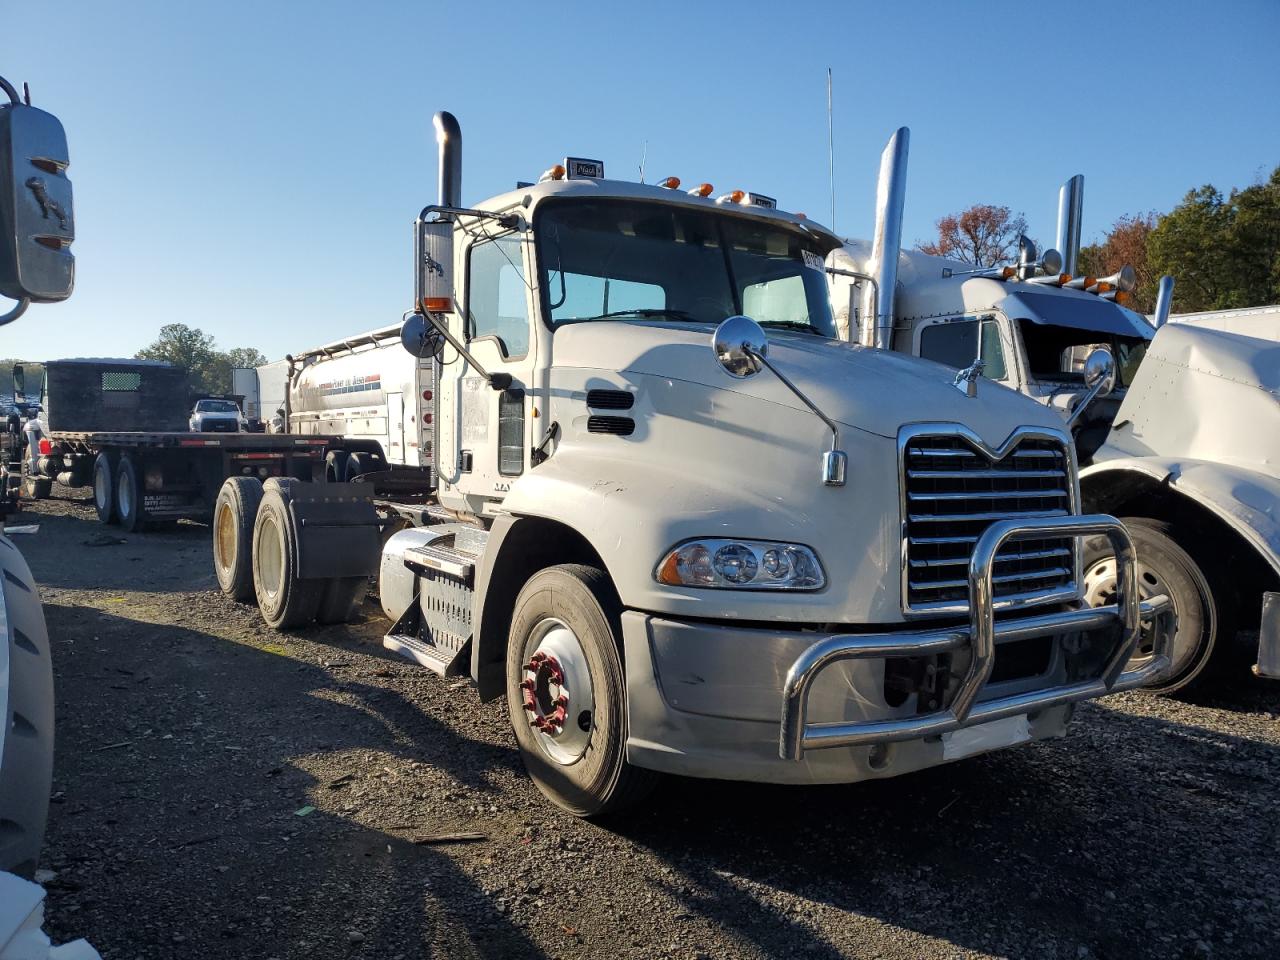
{"x":980,"y":637}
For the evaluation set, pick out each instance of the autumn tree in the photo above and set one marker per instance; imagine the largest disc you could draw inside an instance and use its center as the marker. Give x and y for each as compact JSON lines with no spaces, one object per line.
{"x":984,"y":235}
{"x":1125,"y":243}
{"x":196,"y":352}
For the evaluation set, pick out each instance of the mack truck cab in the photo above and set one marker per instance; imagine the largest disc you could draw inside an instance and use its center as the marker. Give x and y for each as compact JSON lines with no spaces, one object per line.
{"x":1174,"y":427}
{"x":682,"y":527}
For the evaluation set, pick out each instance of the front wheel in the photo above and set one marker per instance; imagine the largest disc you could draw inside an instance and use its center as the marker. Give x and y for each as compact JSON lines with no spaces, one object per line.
{"x":566,"y":692}
{"x":1163,"y":568}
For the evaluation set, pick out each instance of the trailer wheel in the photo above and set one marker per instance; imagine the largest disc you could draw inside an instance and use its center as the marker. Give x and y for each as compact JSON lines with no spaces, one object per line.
{"x":26,"y":766}
{"x":566,"y":692}
{"x":1163,"y":568}
{"x":233,"y":517}
{"x":340,"y":598}
{"x":284,"y":599}
{"x":129,"y":496}
{"x":104,"y":492}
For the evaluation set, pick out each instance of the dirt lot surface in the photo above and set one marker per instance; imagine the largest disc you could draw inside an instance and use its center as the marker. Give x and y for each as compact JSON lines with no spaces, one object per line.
{"x":224,"y":791}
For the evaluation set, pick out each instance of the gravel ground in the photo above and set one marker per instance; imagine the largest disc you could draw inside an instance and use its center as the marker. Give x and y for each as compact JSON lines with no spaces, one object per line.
{"x":225,"y":791}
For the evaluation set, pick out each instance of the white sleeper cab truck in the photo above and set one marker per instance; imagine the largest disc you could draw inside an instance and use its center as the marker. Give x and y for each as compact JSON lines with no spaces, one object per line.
{"x":1158,"y":414}
{"x":378,"y":399}
{"x":36,"y":266}
{"x":676,"y":539}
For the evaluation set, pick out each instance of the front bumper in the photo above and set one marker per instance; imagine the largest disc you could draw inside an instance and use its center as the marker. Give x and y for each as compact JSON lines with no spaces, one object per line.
{"x":706,"y":700}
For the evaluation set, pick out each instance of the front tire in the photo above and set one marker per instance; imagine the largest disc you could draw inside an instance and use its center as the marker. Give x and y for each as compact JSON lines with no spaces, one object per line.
{"x":566,"y":692}
{"x":1163,"y":568}
{"x":234,"y":514}
{"x":26,"y":766}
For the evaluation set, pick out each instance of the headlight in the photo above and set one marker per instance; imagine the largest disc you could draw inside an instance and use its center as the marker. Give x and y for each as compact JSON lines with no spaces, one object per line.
{"x":741,"y":565}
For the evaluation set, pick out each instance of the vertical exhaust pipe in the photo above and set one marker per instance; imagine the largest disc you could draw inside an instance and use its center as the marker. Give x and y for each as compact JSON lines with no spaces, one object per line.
{"x":1164,"y":302}
{"x":876,"y":328}
{"x":449,"y":139}
{"x":1070,"y":208}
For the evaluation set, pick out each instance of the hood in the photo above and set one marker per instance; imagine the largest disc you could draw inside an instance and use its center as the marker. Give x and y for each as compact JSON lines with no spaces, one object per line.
{"x":873,"y":390}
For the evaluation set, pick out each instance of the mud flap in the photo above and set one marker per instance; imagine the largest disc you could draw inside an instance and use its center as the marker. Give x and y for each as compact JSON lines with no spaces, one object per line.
{"x":1268,"y":664}
{"x":337,"y":530}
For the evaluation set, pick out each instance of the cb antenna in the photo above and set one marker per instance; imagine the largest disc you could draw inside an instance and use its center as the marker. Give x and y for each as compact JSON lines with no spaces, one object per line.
{"x":644,"y":153}
{"x":831,"y":153}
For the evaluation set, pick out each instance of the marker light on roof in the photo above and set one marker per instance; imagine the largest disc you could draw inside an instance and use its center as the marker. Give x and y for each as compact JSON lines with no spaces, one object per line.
{"x":1122,"y":296}
{"x":733,"y":196}
{"x":554,"y":173}
{"x":671,"y":183}
{"x":701,"y":190}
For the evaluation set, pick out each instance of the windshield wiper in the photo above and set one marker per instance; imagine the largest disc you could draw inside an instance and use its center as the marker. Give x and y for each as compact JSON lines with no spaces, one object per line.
{"x":645,"y":312}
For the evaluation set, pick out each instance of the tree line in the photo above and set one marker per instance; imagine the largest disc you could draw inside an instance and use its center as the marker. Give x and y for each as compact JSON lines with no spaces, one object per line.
{"x":196,"y":352}
{"x":1223,"y":249}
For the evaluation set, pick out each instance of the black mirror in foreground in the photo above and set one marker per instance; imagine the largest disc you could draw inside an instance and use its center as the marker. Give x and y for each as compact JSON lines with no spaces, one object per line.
{"x":36,"y":222}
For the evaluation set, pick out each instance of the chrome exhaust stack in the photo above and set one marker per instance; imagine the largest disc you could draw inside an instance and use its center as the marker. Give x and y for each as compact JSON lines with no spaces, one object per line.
{"x":1070,"y":208}
{"x":1164,"y":302}
{"x":449,"y":139}
{"x":876,"y":328}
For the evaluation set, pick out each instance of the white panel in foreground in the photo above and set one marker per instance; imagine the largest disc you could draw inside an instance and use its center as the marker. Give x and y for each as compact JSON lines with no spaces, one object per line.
{"x":986,"y":736}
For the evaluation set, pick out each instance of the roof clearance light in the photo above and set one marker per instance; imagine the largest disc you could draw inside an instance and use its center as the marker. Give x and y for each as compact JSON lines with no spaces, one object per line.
{"x":582,"y":169}
{"x":733,"y":196}
{"x":554,"y":173}
{"x":1122,"y":296}
{"x":701,"y":190}
{"x":800,"y":216}
{"x":671,"y":183}
{"x":1101,"y":287}
{"x":1008,"y":273}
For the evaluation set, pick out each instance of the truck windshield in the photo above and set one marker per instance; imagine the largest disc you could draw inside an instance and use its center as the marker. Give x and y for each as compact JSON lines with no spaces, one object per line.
{"x":1057,"y":353}
{"x":626,"y":259}
{"x":217,"y":406}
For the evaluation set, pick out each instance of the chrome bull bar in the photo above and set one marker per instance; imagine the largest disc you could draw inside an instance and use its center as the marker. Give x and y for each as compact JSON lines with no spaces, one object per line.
{"x":981,"y":637}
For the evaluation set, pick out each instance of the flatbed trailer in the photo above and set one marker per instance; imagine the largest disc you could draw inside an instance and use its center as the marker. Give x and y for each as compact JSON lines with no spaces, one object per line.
{"x":142,"y":477}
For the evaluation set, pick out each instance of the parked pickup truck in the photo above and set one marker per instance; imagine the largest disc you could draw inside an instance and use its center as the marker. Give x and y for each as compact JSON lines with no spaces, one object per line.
{"x":216,"y":416}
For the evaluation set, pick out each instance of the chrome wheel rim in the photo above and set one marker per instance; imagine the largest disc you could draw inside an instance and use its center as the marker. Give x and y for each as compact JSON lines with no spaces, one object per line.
{"x":556,"y":693}
{"x":270,"y":558}
{"x":1100,"y":590}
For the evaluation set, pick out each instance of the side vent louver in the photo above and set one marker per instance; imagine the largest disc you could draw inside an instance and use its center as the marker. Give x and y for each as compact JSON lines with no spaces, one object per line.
{"x":610,"y":400}
{"x":618,"y":426}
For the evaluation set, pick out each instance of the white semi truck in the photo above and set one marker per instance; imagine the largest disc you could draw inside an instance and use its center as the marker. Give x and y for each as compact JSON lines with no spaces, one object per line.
{"x":676,"y":539}
{"x":1179,"y":439}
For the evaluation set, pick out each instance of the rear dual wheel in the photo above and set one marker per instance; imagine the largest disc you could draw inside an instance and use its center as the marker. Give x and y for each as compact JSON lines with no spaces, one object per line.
{"x":234,"y":514}
{"x":104,"y":489}
{"x":286,"y":601}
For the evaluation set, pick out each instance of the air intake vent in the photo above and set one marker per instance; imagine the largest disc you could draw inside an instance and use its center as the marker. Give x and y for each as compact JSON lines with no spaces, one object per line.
{"x":618,"y":426}
{"x":954,"y":491}
{"x":610,"y":400}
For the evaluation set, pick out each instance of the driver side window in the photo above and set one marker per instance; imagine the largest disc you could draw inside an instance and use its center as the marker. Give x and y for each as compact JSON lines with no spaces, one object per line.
{"x":496,"y":301}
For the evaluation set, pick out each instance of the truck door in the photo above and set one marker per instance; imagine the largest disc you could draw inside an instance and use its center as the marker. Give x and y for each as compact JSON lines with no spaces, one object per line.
{"x":483,"y":438}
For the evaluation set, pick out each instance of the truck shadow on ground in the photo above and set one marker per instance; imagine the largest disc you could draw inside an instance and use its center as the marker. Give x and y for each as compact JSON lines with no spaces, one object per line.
{"x":1056,"y":849}
{"x":183,"y":761}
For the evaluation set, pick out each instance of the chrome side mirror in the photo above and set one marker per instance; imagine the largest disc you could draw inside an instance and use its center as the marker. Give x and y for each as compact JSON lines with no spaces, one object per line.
{"x":1100,"y":371}
{"x":1051,"y":262}
{"x":1099,"y":378}
{"x":740,"y":346}
{"x":420,"y":337}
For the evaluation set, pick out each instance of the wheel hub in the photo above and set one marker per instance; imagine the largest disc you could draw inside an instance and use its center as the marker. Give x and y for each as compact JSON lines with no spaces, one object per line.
{"x":1101,"y":588}
{"x":555,"y":691}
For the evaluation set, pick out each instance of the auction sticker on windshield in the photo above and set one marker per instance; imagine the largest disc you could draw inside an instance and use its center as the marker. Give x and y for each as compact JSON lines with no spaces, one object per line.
{"x":986,"y":736}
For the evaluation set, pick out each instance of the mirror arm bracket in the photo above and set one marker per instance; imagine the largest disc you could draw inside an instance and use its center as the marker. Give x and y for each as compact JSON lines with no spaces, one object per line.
{"x":498,"y":381}
{"x":19,"y":309}
{"x":1083,"y":403}
{"x":509,"y":220}
{"x":835,"y":461}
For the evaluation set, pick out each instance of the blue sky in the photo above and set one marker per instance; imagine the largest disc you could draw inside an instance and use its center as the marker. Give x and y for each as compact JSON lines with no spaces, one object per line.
{"x":252,"y":169}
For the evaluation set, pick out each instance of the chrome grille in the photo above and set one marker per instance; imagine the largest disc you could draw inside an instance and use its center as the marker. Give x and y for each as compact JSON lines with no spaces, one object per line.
{"x":953,"y":491}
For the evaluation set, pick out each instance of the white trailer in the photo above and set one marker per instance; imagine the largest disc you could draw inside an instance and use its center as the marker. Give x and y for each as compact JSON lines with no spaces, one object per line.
{"x":264,"y":390}
{"x":678,"y":540}
{"x":1175,"y":425}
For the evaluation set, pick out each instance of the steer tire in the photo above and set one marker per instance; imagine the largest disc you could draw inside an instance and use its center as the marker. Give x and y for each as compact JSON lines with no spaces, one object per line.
{"x":26,"y":766}
{"x":340,"y":598}
{"x":285,"y":600}
{"x":104,"y":490}
{"x":594,"y":779}
{"x":1163,"y":567}
{"x":233,"y":517}
{"x":128,"y":496}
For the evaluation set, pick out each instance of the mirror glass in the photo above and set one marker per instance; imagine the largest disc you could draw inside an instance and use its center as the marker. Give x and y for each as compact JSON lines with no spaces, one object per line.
{"x":739,"y":343}
{"x":35,"y":207}
{"x":420,"y":337}
{"x":19,"y":383}
{"x":1100,"y":367}
{"x":1051,"y":261}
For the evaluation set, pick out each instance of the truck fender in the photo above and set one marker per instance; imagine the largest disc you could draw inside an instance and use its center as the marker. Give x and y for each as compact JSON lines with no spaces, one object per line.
{"x":1245,"y":500}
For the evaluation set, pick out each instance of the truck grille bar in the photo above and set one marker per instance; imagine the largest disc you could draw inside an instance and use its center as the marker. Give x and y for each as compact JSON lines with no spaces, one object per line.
{"x":953,"y":489}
